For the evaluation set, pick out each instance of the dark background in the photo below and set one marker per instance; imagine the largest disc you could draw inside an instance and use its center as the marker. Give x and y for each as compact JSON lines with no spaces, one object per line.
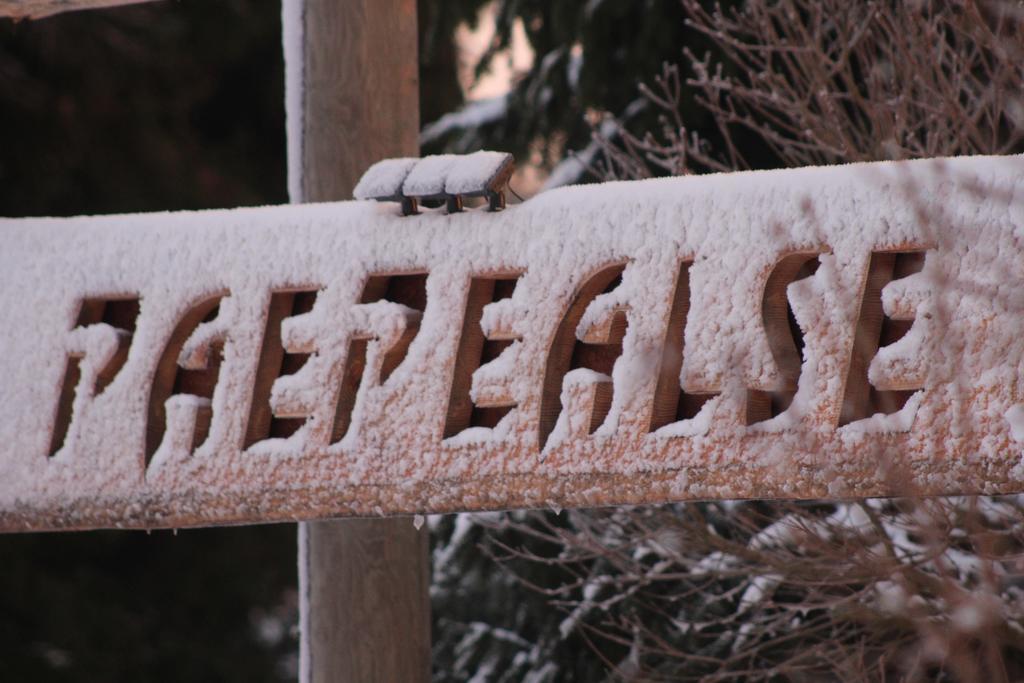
{"x":165,"y":106}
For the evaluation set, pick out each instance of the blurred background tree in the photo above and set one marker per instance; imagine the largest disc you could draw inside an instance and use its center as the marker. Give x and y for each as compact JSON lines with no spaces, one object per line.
{"x":587,"y":61}
{"x":164,"y":106}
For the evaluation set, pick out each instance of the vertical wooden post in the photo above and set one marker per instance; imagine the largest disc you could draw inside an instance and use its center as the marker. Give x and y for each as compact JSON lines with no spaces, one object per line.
{"x":353,"y":98}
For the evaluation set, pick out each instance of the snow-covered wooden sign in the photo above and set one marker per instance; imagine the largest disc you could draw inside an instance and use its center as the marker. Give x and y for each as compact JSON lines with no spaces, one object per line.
{"x":823,"y":332}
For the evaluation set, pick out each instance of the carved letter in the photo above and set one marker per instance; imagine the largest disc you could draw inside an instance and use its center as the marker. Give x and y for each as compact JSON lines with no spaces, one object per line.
{"x":476,"y":348}
{"x":97,"y":349}
{"x":376,"y":333}
{"x":671,"y":404}
{"x":274,"y":363}
{"x":880,"y":379}
{"x":577,"y":379}
{"x":180,"y":398}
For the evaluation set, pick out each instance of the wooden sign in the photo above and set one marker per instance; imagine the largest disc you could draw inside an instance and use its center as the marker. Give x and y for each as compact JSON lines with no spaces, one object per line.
{"x":37,"y":9}
{"x":822,"y":332}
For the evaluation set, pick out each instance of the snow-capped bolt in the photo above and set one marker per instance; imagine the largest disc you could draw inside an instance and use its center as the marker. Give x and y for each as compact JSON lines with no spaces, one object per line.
{"x":383,"y":182}
{"x":444,"y":177}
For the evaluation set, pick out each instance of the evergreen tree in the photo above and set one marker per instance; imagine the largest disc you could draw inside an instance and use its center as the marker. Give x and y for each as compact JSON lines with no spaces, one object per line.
{"x":589,"y":57}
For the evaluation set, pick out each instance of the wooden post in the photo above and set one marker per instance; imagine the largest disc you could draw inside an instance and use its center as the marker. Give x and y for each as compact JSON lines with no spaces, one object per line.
{"x":364,"y":582}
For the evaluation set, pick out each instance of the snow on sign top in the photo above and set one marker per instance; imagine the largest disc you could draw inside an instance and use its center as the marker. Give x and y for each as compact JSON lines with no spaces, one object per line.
{"x":444,"y":176}
{"x":384,"y":179}
{"x":824,"y":332}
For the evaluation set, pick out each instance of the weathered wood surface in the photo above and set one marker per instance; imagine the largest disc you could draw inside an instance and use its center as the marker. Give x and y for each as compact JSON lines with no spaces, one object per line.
{"x":372,"y":421}
{"x":364,"y":582}
{"x":37,"y":9}
{"x":367,"y":583}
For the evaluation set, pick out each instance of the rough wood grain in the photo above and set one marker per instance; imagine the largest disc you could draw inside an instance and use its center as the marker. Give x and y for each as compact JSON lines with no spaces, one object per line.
{"x":365,"y":581}
{"x":367,"y":585}
{"x":361,"y":91}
